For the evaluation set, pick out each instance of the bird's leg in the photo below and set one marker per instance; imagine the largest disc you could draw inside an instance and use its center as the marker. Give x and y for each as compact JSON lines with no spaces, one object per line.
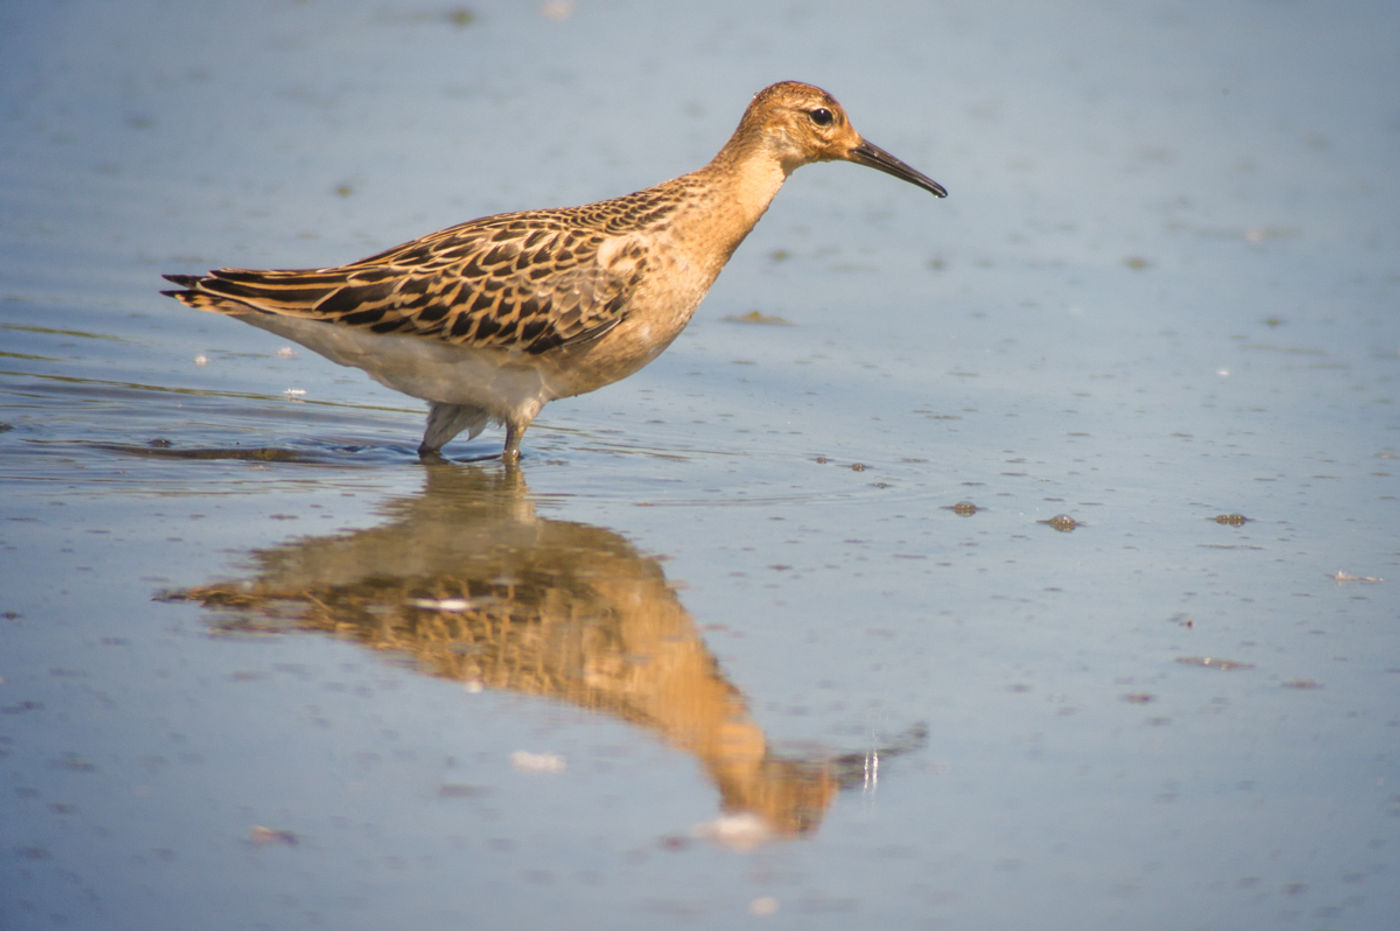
{"x":514,"y":431}
{"x":446,"y":421}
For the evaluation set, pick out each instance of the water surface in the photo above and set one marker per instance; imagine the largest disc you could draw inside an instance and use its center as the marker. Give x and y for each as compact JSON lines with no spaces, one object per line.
{"x":1040,"y":573}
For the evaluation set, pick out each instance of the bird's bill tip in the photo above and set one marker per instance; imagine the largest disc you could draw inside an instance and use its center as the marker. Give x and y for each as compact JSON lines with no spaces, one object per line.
{"x":872,"y":156}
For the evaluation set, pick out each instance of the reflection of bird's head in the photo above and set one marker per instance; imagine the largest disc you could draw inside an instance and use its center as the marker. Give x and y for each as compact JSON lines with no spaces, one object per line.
{"x":790,"y":795}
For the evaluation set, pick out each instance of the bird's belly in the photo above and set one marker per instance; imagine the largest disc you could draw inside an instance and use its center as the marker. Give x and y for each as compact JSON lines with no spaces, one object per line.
{"x":499,"y":382}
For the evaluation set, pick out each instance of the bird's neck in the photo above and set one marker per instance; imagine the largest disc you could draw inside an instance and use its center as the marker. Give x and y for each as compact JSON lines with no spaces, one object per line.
{"x":738,"y":185}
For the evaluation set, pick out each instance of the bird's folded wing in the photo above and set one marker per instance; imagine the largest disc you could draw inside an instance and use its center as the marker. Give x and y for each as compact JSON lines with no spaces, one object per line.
{"x":523,"y":282}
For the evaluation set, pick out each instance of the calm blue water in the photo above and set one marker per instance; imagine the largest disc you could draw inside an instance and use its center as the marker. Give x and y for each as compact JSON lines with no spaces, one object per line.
{"x":723,"y":654}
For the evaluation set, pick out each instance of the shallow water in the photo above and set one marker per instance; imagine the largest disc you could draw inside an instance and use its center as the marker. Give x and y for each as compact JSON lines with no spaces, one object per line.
{"x":726,"y":650}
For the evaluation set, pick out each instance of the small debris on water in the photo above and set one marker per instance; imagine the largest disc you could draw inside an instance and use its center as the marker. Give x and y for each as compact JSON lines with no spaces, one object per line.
{"x":754,"y":316}
{"x":528,"y":762}
{"x":962,"y":508}
{"x":1213,"y":662}
{"x":1062,"y":522}
{"x":461,"y":790}
{"x":262,"y":835}
{"x":740,"y":831}
{"x":1232,"y":520}
{"x":557,"y":9}
{"x":1340,"y":577}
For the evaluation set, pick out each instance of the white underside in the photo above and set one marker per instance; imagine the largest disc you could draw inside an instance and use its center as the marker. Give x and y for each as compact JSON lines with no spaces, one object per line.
{"x":502,"y":386}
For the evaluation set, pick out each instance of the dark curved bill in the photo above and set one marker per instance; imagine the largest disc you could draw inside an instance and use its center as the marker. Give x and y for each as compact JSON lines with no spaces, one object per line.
{"x":872,"y":156}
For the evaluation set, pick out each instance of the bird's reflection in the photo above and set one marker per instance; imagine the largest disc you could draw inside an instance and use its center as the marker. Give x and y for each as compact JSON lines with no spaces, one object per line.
{"x":471,"y":582}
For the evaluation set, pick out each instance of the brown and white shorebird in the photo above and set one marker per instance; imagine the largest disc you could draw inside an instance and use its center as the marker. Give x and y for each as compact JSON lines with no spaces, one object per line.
{"x":490,"y":319}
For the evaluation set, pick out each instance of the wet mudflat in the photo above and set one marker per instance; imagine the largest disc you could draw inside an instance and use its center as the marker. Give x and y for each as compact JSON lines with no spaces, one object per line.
{"x":1041,"y":571}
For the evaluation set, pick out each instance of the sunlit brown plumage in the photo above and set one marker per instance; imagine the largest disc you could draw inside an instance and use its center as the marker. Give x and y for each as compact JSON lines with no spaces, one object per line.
{"x":490,"y":319}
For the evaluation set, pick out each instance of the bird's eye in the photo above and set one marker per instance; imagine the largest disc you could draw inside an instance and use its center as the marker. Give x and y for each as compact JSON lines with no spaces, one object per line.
{"x":821,"y":116}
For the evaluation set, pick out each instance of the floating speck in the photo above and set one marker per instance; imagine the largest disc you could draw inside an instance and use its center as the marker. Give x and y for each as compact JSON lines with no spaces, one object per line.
{"x":1213,"y":662}
{"x":1339,"y":577}
{"x":754,"y":316}
{"x":460,"y":790}
{"x":528,"y":762}
{"x":262,"y":835}
{"x":1062,"y":522}
{"x":741,"y":831}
